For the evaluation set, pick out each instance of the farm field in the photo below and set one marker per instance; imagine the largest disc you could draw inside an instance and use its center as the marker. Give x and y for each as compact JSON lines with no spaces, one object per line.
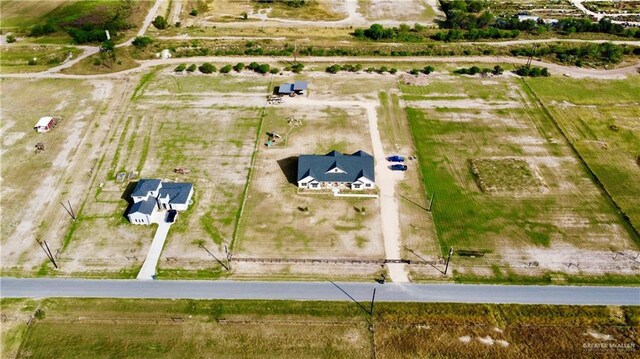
{"x":83,"y":327}
{"x":539,"y":210}
{"x":601,"y":121}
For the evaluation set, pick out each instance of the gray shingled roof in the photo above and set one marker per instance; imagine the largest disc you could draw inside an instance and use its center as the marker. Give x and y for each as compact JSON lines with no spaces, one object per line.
{"x":144,"y":186}
{"x":355,"y":165}
{"x":178,"y":192}
{"x":145,"y":207}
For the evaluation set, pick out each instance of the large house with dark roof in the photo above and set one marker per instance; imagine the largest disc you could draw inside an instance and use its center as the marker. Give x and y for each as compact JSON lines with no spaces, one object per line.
{"x":336,"y":171}
{"x":151,"y":195}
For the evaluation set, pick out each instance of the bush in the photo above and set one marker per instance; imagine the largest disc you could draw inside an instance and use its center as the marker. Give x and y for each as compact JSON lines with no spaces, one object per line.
{"x":334,"y":69}
{"x":141,"y":41}
{"x":32,"y":62}
{"x":427,"y":70}
{"x":497,"y":70}
{"x":414,"y":72}
{"x":39,"y":314}
{"x":274,"y":70}
{"x":180,"y":68}
{"x":393,"y":70}
{"x":40,"y":30}
{"x":194,"y":12}
{"x":160,"y":23}
{"x":207,"y":68}
{"x":263,"y":68}
{"x":11,"y":39}
{"x":238,"y":67}
{"x":226,"y":69}
{"x":191,"y":68}
{"x":253,"y":66}
{"x":297,"y":68}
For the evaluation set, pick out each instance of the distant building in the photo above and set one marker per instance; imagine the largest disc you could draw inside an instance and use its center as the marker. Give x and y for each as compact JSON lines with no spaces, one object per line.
{"x":45,"y":124}
{"x":522,"y":18}
{"x":151,"y":195}
{"x":298,"y":88}
{"x":336,"y":171}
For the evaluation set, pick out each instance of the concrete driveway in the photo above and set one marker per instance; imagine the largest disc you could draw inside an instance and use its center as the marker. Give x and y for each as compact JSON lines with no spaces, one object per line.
{"x":148,"y":270}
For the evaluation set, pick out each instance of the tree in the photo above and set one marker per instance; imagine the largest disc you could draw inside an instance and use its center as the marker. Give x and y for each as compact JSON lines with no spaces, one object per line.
{"x":297,"y":67}
{"x":191,"y":68}
{"x":333,"y":69}
{"x":253,"y":66}
{"x":108,"y":52}
{"x":194,"y":12}
{"x":141,"y":41}
{"x":238,"y":67}
{"x":11,"y":39}
{"x":393,"y":70}
{"x":225,"y":69}
{"x":207,"y":68}
{"x":375,"y":32}
{"x":160,"y":23}
{"x":497,"y":70}
{"x":180,"y":68}
{"x":428,"y":69}
{"x":263,"y":68}
{"x":274,"y":70}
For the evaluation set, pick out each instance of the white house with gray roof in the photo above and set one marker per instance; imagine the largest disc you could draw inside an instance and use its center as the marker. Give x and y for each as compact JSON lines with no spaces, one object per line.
{"x":151,"y":195}
{"x":336,"y":171}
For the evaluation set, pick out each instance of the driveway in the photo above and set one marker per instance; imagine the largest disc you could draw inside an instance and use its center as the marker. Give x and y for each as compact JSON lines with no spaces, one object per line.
{"x":148,"y":270}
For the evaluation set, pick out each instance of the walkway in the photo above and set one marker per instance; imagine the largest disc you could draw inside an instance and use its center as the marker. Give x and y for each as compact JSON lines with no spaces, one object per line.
{"x":148,"y":270}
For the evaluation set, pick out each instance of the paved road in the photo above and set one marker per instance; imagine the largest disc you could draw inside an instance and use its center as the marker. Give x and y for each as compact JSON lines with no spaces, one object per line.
{"x":454,"y":293}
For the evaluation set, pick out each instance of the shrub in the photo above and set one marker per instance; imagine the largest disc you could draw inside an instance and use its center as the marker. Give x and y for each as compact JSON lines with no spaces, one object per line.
{"x":393,"y":70}
{"x":160,"y":23}
{"x":274,"y":70}
{"x":497,"y":70}
{"x":334,"y":69}
{"x":226,"y":69}
{"x":428,"y":69}
{"x":39,"y":314}
{"x":414,"y":72}
{"x":11,"y":39}
{"x":297,"y":68}
{"x":191,"y":68}
{"x":32,"y":62}
{"x":180,"y":68}
{"x":263,"y":68}
{"x":194,"y":12}
{"x":238,"y":67}
{"x":207,"y":68}
{"x":141,"y":41}
{"x":253,"y":66}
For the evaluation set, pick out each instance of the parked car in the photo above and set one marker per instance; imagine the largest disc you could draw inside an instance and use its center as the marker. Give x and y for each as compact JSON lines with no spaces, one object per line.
{"x":398,"y":167}
{"x":395,"y":158}
{"x":171,"y":215}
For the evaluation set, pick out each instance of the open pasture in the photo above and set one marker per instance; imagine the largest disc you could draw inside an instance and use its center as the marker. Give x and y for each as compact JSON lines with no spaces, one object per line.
{"x":556,"y":208}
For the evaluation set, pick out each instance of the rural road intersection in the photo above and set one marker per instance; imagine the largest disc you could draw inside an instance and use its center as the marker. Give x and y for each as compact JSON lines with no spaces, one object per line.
{"x":391,"y":292}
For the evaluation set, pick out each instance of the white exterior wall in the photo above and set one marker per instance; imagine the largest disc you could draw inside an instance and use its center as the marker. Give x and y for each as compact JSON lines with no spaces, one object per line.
{"x":139,"y":218}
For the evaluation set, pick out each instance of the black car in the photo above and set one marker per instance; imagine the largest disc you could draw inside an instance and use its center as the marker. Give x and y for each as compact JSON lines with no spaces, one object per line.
{"x":171,"y":216}
{"x":398,"y":167}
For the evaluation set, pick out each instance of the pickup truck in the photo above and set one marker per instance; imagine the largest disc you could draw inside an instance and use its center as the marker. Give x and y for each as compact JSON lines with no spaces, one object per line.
{"x":395,"y":158}
{"x":398,"y":167}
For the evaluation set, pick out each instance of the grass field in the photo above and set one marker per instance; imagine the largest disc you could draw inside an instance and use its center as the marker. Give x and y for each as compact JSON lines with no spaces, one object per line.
{"x":467,"y":119}
{"x":93,"y":328}
{"x":600,"y":118}
{"x":17,"y":58}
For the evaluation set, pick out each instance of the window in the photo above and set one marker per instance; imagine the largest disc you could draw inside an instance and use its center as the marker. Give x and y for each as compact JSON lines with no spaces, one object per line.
{"x":303,"y":185}
{"x":368,"y":185}
{"x":314,"y":185}
{"x":356,"y":185}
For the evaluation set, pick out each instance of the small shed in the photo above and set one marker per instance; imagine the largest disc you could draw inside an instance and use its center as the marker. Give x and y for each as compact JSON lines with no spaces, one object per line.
{"x":297,"y":88}
{"x":45,"y":124}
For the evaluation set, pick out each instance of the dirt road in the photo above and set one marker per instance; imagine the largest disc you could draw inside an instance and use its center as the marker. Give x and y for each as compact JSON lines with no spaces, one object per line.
{"x":598,"y":16}
{"x":555,"y":69}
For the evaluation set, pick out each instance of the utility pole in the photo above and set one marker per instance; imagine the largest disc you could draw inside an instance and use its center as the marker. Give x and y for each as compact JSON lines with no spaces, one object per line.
{"x":433,"y":195}
{"x":47,"y":252}
{"x":446,"y":268}
{"x":373,"y":299}
{"x":69,"y":210}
